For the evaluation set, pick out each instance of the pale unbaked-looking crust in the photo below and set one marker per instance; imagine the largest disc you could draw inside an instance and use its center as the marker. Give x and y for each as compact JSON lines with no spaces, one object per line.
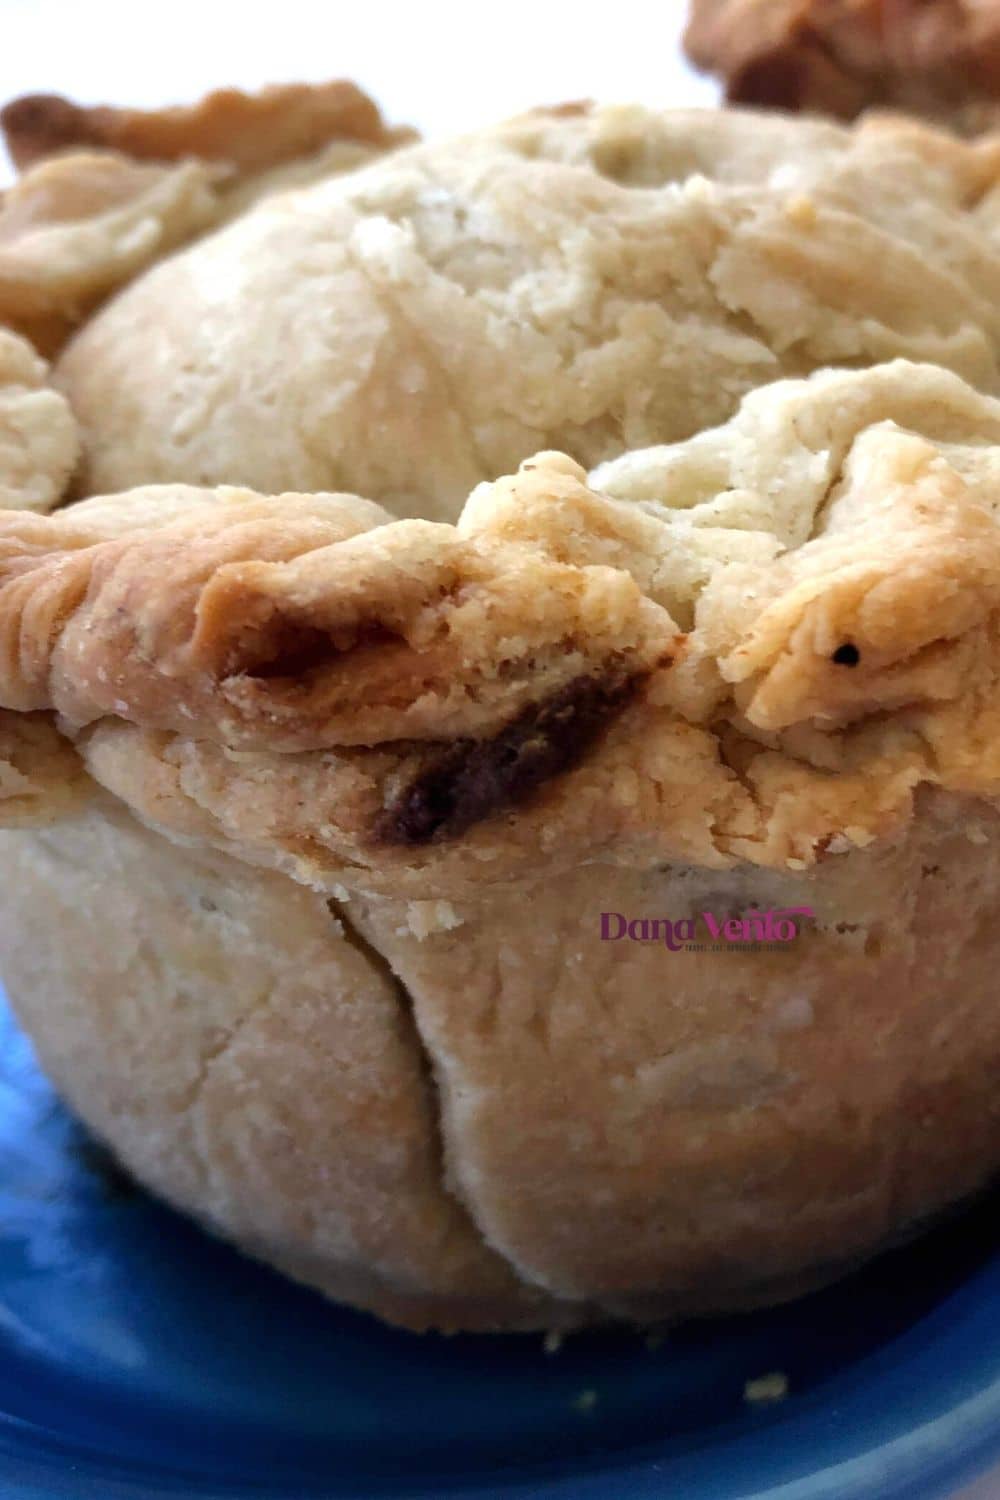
{"x":76,"y":227}
{"x":251,"y":1062}
{"x":593,"y":282}
{"x":38,"y":437}
{"x":699,"y":1129}
{"x":602,"y":1132}
{"x":757,"y":666}
{"x":106,"y":192}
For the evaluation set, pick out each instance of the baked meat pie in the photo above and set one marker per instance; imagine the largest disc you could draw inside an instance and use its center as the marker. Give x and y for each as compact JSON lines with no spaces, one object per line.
{"x":507,"y":743}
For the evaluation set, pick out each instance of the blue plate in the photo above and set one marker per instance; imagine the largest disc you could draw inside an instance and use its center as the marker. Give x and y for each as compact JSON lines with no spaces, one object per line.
{"x":140,"y":1358}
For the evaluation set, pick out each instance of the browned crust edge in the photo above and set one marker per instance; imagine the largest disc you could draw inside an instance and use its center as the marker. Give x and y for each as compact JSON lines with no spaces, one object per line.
{"x":252,"y":131}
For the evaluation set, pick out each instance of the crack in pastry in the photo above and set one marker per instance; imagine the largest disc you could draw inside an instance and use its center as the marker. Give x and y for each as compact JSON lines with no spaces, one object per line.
{"x":933,"y":57}
{"x":42,"y":778}
{"x":353,"y":933}
{"x":236,"y":980}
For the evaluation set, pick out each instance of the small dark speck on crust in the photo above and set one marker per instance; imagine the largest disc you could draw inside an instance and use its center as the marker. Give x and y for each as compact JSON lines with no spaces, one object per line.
{"x":474,"y":778}
{"x":846,"y":655}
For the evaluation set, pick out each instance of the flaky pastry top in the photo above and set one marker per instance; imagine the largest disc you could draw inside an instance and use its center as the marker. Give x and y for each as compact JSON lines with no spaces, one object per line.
{"x":755,"y":644}
{"x":591,"y":281}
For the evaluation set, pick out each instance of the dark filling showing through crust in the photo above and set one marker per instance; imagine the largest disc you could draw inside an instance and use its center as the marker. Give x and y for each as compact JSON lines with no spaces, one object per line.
{"x":476,"y":778}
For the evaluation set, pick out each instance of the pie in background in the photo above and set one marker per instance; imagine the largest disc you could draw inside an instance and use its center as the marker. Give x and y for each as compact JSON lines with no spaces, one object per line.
{"x":938,"y":58}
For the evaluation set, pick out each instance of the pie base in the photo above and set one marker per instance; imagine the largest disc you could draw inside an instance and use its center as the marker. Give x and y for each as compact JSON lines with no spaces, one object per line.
{"x":506,"y":1122}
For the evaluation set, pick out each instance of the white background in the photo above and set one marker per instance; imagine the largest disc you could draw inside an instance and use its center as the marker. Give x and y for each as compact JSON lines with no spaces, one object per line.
{"x":443,"y":65}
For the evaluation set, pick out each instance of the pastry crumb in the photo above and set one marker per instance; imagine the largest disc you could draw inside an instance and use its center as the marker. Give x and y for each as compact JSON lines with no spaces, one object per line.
{"x":426,"y":917}
{"x":766,"y":1388}
{"x":627,"y":787}
{"x":801,"y":211}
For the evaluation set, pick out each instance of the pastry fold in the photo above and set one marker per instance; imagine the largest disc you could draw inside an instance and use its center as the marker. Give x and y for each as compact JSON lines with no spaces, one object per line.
{"x":106,"y":192}
{"x":750,"y":647}
{"x":297,"y":623}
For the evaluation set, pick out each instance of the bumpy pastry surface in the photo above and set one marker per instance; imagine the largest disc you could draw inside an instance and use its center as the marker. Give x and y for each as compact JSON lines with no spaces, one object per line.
{"x":593,"y":282}
{"x":77,"y":227}
{"x":38,"y":436}
{"x":327,"y":799}
{"x":932,"y":57}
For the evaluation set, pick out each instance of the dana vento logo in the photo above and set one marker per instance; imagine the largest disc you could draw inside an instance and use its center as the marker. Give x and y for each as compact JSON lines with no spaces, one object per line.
{"x":708,"y":932}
